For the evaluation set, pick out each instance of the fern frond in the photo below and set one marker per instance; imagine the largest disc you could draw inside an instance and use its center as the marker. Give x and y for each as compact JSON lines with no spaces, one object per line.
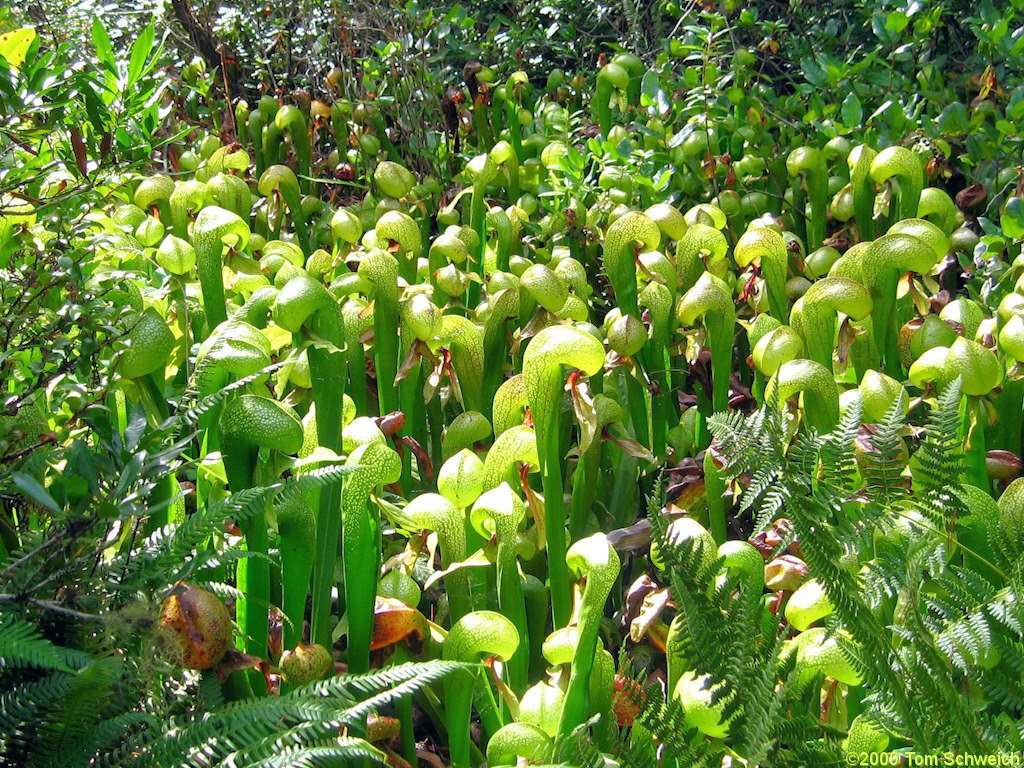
{"x":576,"y":749}
{"x":196,"y":409}
{"x":763,"y":482}
{"x":313,"y":480}
{"x":22,"y":706}
{"x":384,"y":685}
{"x":884,"y":463}
{"x":65,"y":726}
{"x":838,"y":462}
{"x":100,"y":745}
{"x":932,"y":673}
{"x":803,"y":454}
{"x":1003,"y":691}
{"x":310,"y":712}
{"x":764,"y":708}
{"x":666,"y":720}
{"x":170,"y":553}
{"x":772,"y":504}
{"x":940,"y":456}
{"x":733,"y":431}
{"x":823,"y":528}
{"x":209,"y":694}
{"x":1006,"y":537}
{"x":21,"y":644}
{"x":170,"y":548}
{"x":343,"y":752}
{"x":207,"y":367}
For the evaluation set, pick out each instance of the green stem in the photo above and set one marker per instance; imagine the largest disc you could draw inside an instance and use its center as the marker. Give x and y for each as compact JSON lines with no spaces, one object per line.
{"x":504,"y":305}
{"x":585,"y":489}
{"x":715,"y":487}
{"x":435,"y":512}
{"x":272,"y":133}
{"x":535,"y":595}
{"x":360,"y":543}
{"x":637,"y":397}
{"x":807,"y":165}
{"x":377,"y":118}
{"x":381,"y":269}
{"x":516,"y":137}
{"x":859,"y":161}
{"x":355,"y":363}
{"x":163,"y":491}
{"x":248,"y":423}
{"x":483,"y":128}
{"x":436,"y":422}
{"x":307,"y":309}
{"x":660,"y":301}
{"x":297,"y":539}
{"x":711,"y":298}
{"x":483,"y":633}
{"x":477,"y":214}
{"x":1007,"y":432}
{"x":550,"y":350}
{"x":213,"y":228}
{"x":404,"y":710}
{"x":290,"y":119}
{"x":502,"y":510}
{"x":972,"y":432}
{"x":595,"y":559}
{"x":255,"y":125}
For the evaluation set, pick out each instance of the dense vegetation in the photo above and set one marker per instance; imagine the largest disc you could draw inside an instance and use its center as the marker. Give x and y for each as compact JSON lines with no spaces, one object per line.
{"x":548,"y":383}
